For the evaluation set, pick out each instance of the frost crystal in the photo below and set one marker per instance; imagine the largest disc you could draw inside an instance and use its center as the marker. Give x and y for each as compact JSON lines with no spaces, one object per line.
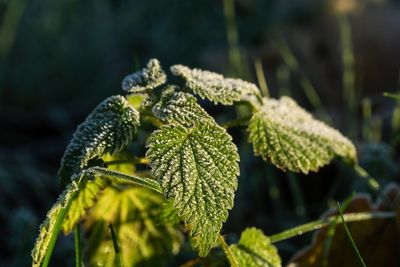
{"x":179,"y":107}
{"x":198,"y":168}
{"x":214,"y":86}
{"x":47,"y":227}
{"x":146,"y":79}
{"x":292,"y":139}
{"x":107,"y":129}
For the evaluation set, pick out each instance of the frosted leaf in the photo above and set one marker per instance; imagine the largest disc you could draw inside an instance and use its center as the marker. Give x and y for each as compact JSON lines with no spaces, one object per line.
{"x":107,"y":129}
{"x":84,"y":200}
{"x":179,"y":107}
{"x":197,"y":167}
{"x":288,"y":136}
{"x":148,"y":78}
{"x":214,"y":86}
{"x":47,"y":227}
{"x":255,"y":250}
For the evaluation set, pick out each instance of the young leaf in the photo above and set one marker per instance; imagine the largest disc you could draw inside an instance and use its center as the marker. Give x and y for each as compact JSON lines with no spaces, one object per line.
{"x":197,"y":167}
{"x":82,"y":202}
{"x":107,"y":129}
{"x":133,"y":212}
{"x":48,"y":228}
{"x":214,"y":86}
{"x":179,"y":107}
{"x":148,"y":78}
{"x":292,"y":139}
{"x":255,"y":250}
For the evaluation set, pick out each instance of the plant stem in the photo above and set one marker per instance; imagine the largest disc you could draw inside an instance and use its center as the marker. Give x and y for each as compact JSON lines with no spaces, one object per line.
{"x":232,"y":260}
{"x":232,"y":35}
{"x":350,"y":237}
{"x":367,"y":177}
{"x":238,"y":122}
{"x":318,"y":224}
{"x":331,"y":232}
{"x":262,"y":82}
{"x":143,"y":181}
{"x":78,"y":246}
{"x":56,"y":230}
{"x":117,"y":250}
{"x":137,"y":160}
{"x":394,"y":96}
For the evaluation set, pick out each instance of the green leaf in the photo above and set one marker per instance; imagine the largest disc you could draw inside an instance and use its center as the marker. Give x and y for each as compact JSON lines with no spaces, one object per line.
{"x":255,"y":250}
{"x":148,"y":78}
{"x":82,"y":202}
{"x":48,"y":228}
{"x":289,"y":137}
{"x":133,"y":212}
{"x":179,"y":107}
{"x":197,"y":167}
{"x":107,"y":129}
{"x":214,"y":86}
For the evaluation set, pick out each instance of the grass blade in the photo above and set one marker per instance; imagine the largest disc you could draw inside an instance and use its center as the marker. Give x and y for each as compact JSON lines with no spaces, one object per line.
{"x":78,"y":246}
{"x":350,"y":237}
{"x":118,"y":257}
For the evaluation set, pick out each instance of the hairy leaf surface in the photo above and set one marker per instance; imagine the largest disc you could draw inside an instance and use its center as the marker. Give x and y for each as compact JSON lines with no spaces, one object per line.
{"x":197,"y":167}
{"x":255,"y":250}
{"x":148,"y":78}
{"x":47,"y":227}
{"x":180,"y":107}
{"x":289,"y":137}
{"x":214,"y":86}
{"x":107,"y":129}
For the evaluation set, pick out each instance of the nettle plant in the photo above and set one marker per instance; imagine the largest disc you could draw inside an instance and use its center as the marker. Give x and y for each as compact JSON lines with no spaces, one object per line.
{"x":192,"y":174}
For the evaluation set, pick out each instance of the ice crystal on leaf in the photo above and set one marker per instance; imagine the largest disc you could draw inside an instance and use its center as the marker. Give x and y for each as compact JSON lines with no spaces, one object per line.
{"x":255,"y":250}
{"x":198,"y":168}
{"x":289,"y":137}
{"x":148,"y":78}
{"x":46,"y":229}
{"x":180,"y":107}
{"x":214,"y":86}
{"x":107,"y":129}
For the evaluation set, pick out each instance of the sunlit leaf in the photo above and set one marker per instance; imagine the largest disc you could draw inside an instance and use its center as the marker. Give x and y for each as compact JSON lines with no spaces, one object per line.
{"x":107,"y":129}
{"x":148,"y":78}
{"x":289,"y":137}
{"x":197,"y":167}
{"x":214,"y":86}
{"x":133,"y":212}
{"x":255,"y":250}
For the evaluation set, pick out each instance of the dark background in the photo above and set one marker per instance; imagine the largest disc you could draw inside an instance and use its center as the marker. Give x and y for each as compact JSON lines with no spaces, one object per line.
{"x":58,"y":59}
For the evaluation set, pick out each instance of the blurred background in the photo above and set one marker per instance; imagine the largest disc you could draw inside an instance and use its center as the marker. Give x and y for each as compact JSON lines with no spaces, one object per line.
{"x":58,"y":59}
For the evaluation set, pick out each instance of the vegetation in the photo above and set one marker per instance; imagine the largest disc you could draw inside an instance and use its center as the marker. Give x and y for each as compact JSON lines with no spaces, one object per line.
{"x":193,"y":164}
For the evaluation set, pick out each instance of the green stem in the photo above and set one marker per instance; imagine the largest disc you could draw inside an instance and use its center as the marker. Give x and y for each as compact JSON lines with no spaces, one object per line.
{"x":137,"y":160}
{"x":78,"y":246}
{"x":232,"y":35}
{"x":367,"y":177}
{"x":142,"y":181}
{"x":262,"y":82}
{"x":318,"y":224}
{"x":331,"y":232}
{"x":394,"y":96}
{"x":118,"y":257}
{"x":56,"y":230}
{"x":238,"y":122}
{"x":350,"y":237}
{"x":232,"y":260}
